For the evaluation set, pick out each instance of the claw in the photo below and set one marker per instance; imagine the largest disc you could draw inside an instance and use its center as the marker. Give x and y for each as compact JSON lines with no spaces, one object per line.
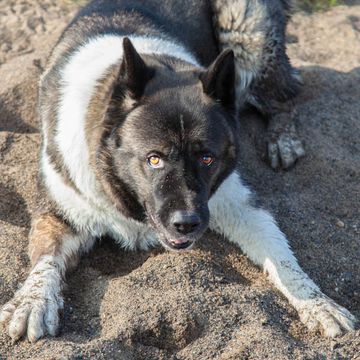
{"x":273,"y":155}
{"x":6,"y":313}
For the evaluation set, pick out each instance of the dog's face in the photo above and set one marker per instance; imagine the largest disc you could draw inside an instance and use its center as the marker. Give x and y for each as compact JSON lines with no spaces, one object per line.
{"x":175,"y":142}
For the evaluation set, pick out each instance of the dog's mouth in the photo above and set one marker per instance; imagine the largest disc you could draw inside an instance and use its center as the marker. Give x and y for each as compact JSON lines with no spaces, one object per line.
{"x":169,"y":241}
{"x":178,"y":244}
{"x":175,"y":243}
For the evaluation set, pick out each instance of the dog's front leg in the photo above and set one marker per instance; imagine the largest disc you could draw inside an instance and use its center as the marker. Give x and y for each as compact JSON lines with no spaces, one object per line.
{"x":35,"y":307}
{"x":256,"y":232}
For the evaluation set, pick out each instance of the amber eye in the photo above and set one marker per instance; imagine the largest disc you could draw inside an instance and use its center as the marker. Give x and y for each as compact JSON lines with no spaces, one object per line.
{"x":155,"y":161}
{"x":207,"y":160}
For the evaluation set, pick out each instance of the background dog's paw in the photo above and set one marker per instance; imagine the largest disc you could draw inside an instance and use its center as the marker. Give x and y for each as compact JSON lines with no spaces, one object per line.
{"x":284,"y":151}
{"x":284,"y":146}
{"x":35,"y":308}
{"x":327,"y":316}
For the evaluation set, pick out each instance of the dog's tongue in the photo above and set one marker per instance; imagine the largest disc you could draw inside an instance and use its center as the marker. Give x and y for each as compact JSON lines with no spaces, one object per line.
{"x":178,"y":241}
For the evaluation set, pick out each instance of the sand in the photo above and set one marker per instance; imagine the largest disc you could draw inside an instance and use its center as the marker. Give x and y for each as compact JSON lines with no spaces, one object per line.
{"x":209,"y":303}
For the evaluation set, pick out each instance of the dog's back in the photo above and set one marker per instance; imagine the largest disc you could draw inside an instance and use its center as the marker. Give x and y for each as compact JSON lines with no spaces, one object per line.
{"x":187,"y":22}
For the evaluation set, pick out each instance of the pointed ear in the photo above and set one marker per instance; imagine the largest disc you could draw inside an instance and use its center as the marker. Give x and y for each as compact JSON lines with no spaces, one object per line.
{"x":219,"y":79}
{"x":133,"y":70}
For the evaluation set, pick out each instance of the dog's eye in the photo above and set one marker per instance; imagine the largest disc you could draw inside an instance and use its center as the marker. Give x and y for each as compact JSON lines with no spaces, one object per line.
{"x":207,"y":160}
{"x":155,"y":161}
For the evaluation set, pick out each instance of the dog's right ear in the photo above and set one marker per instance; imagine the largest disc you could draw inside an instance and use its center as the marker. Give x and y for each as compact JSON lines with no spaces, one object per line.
{"x":219,"y":79}
{"x":134,"y":73}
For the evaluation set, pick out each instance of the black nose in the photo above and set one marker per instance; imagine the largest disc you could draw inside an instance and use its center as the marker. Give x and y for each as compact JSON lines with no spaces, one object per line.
{"x":185,"y":222}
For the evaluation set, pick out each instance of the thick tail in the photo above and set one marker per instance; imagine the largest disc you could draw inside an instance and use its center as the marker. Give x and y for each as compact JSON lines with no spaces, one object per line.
{"x":242,"y":25}
{"x":255,"y":31}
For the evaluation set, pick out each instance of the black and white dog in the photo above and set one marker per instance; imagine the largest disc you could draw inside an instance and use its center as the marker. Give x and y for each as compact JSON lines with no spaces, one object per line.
{"x":140,"y":141}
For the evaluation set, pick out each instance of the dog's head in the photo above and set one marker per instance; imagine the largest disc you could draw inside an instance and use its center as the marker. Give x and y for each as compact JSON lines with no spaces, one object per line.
{"x":168,"y":141}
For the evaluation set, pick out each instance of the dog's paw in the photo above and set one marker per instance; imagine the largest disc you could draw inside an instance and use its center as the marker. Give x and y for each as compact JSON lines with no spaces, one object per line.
{"x":35,"y":308}
{"x":284,"y":150}
{"x":325,"y":315}
{"x":284,"y":146}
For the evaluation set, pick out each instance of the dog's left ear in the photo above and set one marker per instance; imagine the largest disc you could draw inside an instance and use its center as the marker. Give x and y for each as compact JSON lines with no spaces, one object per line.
{"x":133,"y":70}
{"x":219,"y":79}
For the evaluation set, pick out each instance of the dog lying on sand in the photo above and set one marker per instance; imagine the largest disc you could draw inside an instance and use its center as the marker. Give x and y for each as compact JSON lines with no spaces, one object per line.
{"x":140,"y":141}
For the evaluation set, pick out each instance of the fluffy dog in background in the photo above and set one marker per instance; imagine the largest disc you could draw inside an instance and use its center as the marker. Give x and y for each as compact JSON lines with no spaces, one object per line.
{"x":140,"y":142}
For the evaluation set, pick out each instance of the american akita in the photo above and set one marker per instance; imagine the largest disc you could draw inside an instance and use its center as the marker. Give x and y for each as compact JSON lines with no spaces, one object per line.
{"x":140,"y":141}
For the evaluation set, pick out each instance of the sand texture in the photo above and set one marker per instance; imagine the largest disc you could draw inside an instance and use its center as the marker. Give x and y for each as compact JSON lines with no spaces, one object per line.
{"x":209,"y":303}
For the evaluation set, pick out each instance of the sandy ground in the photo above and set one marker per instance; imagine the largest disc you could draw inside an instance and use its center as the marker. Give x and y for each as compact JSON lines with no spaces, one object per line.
{"x":210,"y":303}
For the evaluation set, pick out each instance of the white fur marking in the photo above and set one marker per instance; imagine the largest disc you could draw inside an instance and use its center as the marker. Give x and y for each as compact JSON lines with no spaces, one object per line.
{"x":182,"y":127}
{"x":244,"y":78}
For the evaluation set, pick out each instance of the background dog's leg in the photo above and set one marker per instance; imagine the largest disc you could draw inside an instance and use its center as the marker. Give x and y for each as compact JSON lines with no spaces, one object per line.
{"x":53,"y":249}
{"x":256,"y":232}
{"x":255,"y":30}
{"x":272,"y":94}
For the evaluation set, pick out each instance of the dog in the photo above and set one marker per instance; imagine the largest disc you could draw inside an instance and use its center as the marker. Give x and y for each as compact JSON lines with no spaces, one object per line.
{"x":140,"y":142}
